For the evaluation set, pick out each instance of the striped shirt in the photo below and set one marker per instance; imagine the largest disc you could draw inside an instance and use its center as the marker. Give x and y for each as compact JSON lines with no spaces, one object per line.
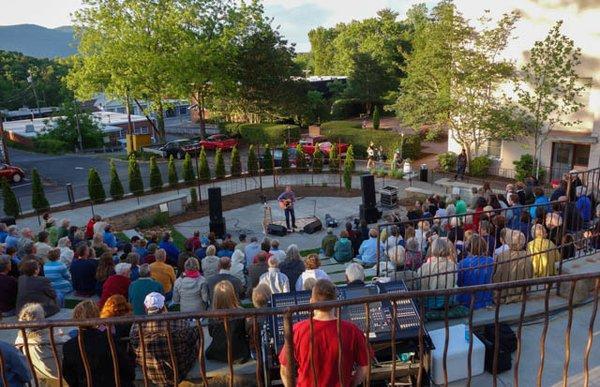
{"x":59,"y":276}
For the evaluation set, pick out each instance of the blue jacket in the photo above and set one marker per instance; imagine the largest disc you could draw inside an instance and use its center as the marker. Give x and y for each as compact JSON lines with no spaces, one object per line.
{"x":516,"y":218}
{"x":11,"y":241}
{"x":539,"y":201}
{"x":3,"y":235}
{"x":172,"y":251}
{"x":138,"y":290}
{"x":15,"y":366}
{"x":584,"y":205}
{"x":368,"y":251}
{"x":83,"y":275}
{"x":470,"y":274}
{"x":110,"y":239}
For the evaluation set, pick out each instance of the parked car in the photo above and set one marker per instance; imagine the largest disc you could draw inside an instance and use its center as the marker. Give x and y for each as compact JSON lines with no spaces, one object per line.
{"x":277,"y":155}
{"x":219,"y":141}
{"x":309,"y":145}
{"x":176,"y":148}
{"x":11,"y":173}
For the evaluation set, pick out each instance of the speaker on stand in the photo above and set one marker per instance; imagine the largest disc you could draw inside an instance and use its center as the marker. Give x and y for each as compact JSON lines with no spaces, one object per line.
{"x":368,"y":209}
{"x":215,"y":212}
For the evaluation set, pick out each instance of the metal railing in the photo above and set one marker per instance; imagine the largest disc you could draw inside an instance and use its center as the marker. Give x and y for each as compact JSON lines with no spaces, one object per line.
{"x":396,"y":367}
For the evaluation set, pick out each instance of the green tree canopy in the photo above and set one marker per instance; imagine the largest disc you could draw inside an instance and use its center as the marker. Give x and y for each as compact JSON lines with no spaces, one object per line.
{"x":156,"y":182}
{"x":95,"y":188}
{"x":236,"y":164}
{"x":38,"y":197}
{"x":11,"y":204}
{"x":173,"y":178}
{"x":136,"y":183}
{"x":116,"y":187}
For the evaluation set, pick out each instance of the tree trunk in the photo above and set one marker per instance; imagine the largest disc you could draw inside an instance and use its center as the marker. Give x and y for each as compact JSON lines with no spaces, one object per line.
{"x":201,"y":114}
{"x":160,"y":119}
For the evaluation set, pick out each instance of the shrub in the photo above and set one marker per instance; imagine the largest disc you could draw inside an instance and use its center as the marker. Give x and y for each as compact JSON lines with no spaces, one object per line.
{"x":11,"y":204}
{"x":203,"y":168}
{"x":38,"y":197}
{"x":136,"y":184}
{"x":188,"y":170}
{"x":345,"y":108}
{"x":334,"y":159}
{"x":318,"y":161}
{"x":447,"y":161}
{"x":300,"y":158}
{"x":525,"y":167}
{"x":50,"y":145}
{"x":347,"y":176}
{"x":376,"y":118}
{"x":267,"y":160}
{"x":156,"y":182}
{"x":265,"y":133}
{"x":252,"y":161}
{"x":349,"y":161}
{"x":159,"y":219}
{"x":95,"y":187}
{"x":236,"y":164}
{"x":479,"y":166}
{"x":173,"y":178}
{"x":116,"y":187}
{"x":219,"y":164}
{"x":285,"y":158}
{"x":397,"y":173}
{"x":193,"y":199}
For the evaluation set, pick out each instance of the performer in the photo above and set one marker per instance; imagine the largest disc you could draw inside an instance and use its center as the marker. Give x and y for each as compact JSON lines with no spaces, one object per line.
{"x":286,"y":202}
{"x":371,"y":156}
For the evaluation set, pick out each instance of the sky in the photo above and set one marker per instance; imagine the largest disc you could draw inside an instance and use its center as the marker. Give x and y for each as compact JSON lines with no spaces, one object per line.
{"x":295,"y":17}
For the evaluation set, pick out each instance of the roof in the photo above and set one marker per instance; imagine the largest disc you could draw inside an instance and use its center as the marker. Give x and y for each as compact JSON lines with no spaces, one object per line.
{"x":579,"y":137}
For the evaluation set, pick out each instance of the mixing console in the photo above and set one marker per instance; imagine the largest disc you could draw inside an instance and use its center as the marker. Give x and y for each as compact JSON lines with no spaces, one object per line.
{"x":406,"y":313}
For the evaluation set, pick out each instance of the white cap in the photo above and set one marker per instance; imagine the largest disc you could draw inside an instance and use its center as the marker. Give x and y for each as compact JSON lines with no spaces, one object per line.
{"x":154,"y":301}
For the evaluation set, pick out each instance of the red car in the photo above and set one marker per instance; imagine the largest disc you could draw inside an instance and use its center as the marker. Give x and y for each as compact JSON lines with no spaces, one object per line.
{"x":218,"y":141}
{"x":11,"y":173}
{"x":309,"y":145}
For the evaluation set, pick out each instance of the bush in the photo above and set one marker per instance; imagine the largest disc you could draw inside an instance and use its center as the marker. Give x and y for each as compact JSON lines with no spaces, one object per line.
{"x":479,"y":166}
{"x":525,"y":167}
{"x":352,"y":133}
{"x":266,"y":133}
{"x":173,"y":178}
{"x":11,"y":204}
{"x":50,"y":145}
{"x":447,"y":161}
{"x":219,"y":164}
{"x":345,"y":108}
{"x":156,"y":182}
{"x":318,"y":161}
{"x":300,"y":158}
{"x":267,"y":160}
{"x":285,"y":158}
{"x":193,"y":199}
{"x":334,"y":159}
{"x":376,"y":118}
{"x":236,"y":164}
{"x":252,"y":161}
{"x":188,"y":170}
{"x":38,"y":197}
{"x":397,"y":173}
{"x":349,"y":160}
{"x":160,"y":219}
{"x":116,"y":187}
{"x":203,"y":168}
{"x":136,"y":184}
{"x":95,"y":187}
{"x":347,"y":176}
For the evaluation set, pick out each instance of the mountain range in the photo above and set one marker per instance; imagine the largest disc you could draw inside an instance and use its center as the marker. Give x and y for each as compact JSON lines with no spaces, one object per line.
{"x":38,"y":41}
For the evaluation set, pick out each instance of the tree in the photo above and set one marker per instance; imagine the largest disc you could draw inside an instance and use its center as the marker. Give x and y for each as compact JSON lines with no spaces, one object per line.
{"x":219,"y":165}
{"x":317,"y":160}
{"x":300,"y":159}
{"x":334,"y":159}
{"x":116,"y":187}
{"x":188,"y":170}
{"x":551,"y":89}
{"x":285,"y":158}
{"x":203,"y":168}
{"x":368,"y":81}
{"x":95,"y":187}
{"x":252,"y":161}
{"x":75,"y":127}
{"x":348,"y":169}
{"x":454,"y":73}
{"x":11,"y":204}
{"x":267,"y":160}
{"x":350,"y":159}
{"x":136,"y":183}
{"x":194,"y":198}
{"x":236,"y":164}
{"x":38,"y":197}
{"x":156,"y":182}
{"x":173,"y":178}
{"x":376,"y":117}
{"x":316,"y":106}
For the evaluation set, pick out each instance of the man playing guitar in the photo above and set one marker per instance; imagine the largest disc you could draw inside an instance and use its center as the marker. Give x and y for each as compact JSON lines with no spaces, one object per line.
{"x":286,"y":202}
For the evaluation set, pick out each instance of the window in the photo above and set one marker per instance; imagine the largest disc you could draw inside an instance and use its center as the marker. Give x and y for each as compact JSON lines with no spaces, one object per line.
{"x":494,"y":148}
{"x":581,"y":155}
{"x":141,"y":130}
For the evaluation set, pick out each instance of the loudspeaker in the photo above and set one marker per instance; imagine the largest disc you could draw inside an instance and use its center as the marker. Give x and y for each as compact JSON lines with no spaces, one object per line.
{"x":330,"y":222}
{"x":367,"y":184}
{"x":276,"y":229}
{"x":314,"y":226}
{"x":8,"y":220}
{"x":215,"y":210}
{"x":370,"y":214}
{"x":218,"y":227}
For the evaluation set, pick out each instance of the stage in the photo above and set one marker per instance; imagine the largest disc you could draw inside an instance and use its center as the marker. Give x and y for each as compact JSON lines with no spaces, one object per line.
{"x":300,"y":222}
{"x":249,"y":219}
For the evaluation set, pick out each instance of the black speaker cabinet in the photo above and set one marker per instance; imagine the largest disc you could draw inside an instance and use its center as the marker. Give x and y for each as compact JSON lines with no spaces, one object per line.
{"x":367,"y":184}
{"x":370,"y":214}
{"x":313,"y":226}
{"x":218,"y":227}
{"x":8,"y":220}
{"x":276,"y":229}
{"x":215,"y":209}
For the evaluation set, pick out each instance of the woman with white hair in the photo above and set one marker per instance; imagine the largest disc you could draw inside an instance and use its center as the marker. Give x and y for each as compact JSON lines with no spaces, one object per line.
{"x":439,"y":272}
{"x":117,"y":283}
{"x":210,"y":263}
{"x":66,"y":253}
{"x":292,"y":266}
{"x":38,"y":341}
{"x":237,"y":265}
{"x":512,"y":265}
{"x":190,"y":290}
{"x":544,"y":254}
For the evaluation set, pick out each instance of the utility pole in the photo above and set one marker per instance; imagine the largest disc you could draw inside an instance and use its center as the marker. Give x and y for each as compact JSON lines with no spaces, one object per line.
{"x":79,"y":138}
{"x":30,"y":81}
{"x":3,"y":147}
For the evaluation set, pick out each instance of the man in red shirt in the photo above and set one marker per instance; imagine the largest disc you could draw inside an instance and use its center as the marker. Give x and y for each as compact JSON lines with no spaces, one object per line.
{"x":325,"y":349}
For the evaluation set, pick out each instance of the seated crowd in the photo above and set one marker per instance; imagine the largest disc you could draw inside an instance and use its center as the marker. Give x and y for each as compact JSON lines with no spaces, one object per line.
{"x":442,"y":244}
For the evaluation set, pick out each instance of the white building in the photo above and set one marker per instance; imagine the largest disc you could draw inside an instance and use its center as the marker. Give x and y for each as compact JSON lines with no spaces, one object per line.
{"x":575,"y":147}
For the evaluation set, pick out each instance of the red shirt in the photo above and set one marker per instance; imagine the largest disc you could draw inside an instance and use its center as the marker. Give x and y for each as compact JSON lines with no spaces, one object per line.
{"x":325,"y":352}
{"x":115,"y":284}
{"x":89,"y":228}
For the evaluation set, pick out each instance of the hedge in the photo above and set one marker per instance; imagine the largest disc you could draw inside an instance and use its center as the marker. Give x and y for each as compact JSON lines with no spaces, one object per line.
{"x":352,"y":133}
{"x":274,"y":134}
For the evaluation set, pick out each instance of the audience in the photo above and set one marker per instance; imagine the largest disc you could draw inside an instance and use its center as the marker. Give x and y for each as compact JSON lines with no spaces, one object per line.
{"x":439,"y":272}
{"x":256,"y":270}
{"x":15,"y":366}
{"x":140,"y":288}
{"x":170,"y":249}
{"x":544,"y":255}
{"x":276,"y":252}
{"x":8,"y":288}
{"x":512,"y":264}
{"x":274,"y":278}
{"x":476,"y":269}
{"x":210,"y":264}
{"x":328,"y":243}
{"x":355,"y":275}
{"x":117,"y":306}
{"x":66,"y":252}
{"x":35,"y":289}
{"x":292,"y":266}
{"x":58,"y":274}
{"x":251,"y":250}
{"x":311,"y":264}
{"x":342,"y":250}
{"x":83,"y":272}
{"x":367,"y":253}
{"x":191,"y":289}
{"x":117,"y":283}
{"x":106,"y":268}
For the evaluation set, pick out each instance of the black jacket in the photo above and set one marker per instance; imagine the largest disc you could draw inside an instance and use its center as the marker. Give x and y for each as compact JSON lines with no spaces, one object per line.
{"x":239,"y":341}
{"x":99,"y":358}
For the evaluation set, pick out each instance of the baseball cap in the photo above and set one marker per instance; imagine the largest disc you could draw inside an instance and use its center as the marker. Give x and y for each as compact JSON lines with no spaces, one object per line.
{"x":154,"y":302}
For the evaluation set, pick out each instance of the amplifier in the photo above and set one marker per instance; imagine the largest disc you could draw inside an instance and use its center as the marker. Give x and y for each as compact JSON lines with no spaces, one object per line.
{"x":314,"y":226}
{"x":276,"y":229}
{"x":330,"y":221}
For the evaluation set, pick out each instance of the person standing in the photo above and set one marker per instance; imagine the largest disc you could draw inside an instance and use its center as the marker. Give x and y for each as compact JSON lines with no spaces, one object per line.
{"x":371,"y":156}
{"x":286,"y":202}
{"x":461,"y":165}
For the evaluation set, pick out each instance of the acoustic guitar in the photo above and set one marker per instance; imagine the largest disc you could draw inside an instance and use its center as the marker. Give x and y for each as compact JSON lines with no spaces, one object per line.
{"x":285,"y":204}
